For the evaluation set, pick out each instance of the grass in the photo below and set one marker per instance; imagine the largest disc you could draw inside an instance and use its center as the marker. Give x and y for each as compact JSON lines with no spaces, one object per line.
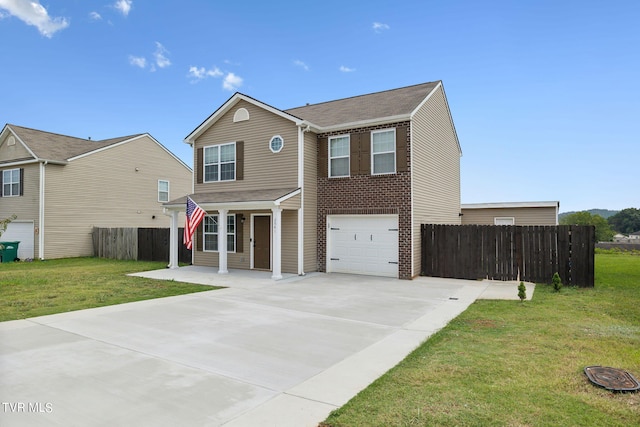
{"x":39,"y":288}
{"x":507,"y":363}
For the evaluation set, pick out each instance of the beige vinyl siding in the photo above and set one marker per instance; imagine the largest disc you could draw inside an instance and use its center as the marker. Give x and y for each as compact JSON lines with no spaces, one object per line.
{"x":435,"y":169}
{"x":289,"y":242}
{"x":263,"y":169}
{"x":310,"y":202}
{"x":25,"y":206}
{"x":522,"y":216}
{"x":12,"y":152}
{"x":104,"y":189}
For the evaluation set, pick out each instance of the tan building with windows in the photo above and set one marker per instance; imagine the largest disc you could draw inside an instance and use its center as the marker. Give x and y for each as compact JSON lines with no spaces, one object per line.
{"x":60,"y":187}
{"x":510,"y":213}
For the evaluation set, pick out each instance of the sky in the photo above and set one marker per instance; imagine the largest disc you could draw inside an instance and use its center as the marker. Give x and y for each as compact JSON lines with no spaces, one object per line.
{"x":544,"y":95}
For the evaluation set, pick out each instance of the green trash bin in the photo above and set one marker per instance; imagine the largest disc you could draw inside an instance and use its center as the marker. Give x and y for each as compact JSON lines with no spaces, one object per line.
{"x":9,"y":253}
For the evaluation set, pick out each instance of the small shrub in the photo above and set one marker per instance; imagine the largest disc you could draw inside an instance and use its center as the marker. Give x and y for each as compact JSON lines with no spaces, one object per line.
{"x":557,"y":282}
{"x":522,"y":291}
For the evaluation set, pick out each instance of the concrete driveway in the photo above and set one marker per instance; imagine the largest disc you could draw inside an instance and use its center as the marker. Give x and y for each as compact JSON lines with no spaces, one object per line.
{"x":269,"y":353}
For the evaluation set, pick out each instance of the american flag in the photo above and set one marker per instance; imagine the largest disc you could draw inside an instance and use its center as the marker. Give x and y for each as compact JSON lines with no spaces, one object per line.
{"x":194,"y":217}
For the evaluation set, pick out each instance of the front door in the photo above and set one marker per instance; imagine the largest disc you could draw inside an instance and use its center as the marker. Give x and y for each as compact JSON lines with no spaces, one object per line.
{"x":262,"y":242}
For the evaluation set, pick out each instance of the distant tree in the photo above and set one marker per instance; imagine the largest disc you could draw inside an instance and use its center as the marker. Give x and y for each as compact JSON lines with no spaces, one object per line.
{"x":626,"y":221}
{"x":603,"y":231}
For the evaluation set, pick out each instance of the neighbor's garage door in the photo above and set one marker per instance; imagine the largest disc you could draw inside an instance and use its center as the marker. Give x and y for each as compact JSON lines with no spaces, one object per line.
{"x":363,"y":244}
{"x":20,"y":232}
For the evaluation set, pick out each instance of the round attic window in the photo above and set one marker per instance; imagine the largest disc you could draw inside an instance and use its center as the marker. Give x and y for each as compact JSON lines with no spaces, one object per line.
{"x":12,"y":140}
{"x":276,"y":144}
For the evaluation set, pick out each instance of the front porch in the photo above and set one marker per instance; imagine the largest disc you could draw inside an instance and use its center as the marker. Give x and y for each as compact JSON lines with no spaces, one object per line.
{"x":244,"y":230}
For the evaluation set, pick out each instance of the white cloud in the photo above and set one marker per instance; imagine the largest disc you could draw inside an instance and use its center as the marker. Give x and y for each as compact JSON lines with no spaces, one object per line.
{"x":33,"y":13}
{"x":95,"y":16}
{"x":138,"y":61}
{"x":346,"y":69}
{"x":231,"y":82}
{"x":123,"y":6}
{"x":199,"y":73}
{"x":161,"y":56}
{"x":379,"y":27}
{"x":301,"y":64}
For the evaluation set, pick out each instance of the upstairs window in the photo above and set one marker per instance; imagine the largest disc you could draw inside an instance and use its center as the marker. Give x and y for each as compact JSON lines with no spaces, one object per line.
{"x":163,"y":190}
{"x":383,"y":151}
{"x":339,"y":156}
{"x":11,"y":183}
{"x":220,"y":162}
{"x":210,"y":231}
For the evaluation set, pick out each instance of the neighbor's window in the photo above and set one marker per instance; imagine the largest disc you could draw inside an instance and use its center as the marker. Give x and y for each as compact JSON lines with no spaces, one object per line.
{"x":163,"y":191}
{"x":210,"y":229}
{"x":504,"y":220}
{"x":220,"y":162}
{"x":383,"y":151}
{"x":339,"y":156}
{"x":11,"y":182}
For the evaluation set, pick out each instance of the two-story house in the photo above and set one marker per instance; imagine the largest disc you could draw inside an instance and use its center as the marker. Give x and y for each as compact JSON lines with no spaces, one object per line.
{"x":339,"y":186}
{"x":60,"y":187}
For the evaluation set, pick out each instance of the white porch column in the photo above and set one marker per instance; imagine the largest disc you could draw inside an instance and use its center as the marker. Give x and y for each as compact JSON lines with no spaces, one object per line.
{"x":277,"y":243}
{"x":173,"y":240}
{"x":222,"y":241}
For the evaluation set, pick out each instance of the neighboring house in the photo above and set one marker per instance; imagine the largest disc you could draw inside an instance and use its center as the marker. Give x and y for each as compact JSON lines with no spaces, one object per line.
{"x":620,"y":238}
{"x":634,"y":237}
{"x":60,"y":187}
{"x":339,"y":186}
{"x":513,"y":213}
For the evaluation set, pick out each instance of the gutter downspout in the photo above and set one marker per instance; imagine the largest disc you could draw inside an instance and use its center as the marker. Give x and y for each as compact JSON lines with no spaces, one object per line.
{"x":301,"y":210}
{"x":41,"y":210}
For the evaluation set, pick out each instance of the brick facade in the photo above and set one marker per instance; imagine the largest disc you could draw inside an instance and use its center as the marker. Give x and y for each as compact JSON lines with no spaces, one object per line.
{"x":368,"y":194}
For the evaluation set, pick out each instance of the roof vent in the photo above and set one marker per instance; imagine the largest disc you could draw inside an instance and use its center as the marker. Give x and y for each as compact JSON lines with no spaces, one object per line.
{"x":241,"y":115}
{"x":11,"y":141}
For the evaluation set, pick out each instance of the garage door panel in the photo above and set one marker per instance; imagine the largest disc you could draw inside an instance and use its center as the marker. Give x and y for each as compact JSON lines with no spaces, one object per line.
{"x":22,"y":232}
{"x":365,"y":244}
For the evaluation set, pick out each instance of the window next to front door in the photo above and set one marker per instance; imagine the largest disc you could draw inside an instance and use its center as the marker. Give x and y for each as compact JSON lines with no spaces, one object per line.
{"x":210,"y":230}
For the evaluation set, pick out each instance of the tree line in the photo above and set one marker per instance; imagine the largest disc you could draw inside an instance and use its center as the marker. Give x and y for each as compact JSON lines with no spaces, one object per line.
{"x":626,"y":221}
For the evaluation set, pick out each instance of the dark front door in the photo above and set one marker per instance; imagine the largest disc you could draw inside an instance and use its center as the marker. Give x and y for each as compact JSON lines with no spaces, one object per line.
{"x":262,"y":242}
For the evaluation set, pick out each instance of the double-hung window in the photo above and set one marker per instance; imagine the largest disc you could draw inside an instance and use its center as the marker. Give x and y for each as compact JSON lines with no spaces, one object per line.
{"x":163,"y":190}
{"x":339,"y":156}
{"x":11,"y":182}
{"x":383,"y":151}
{"x":220,"y":162}
{"x":210,"y":230}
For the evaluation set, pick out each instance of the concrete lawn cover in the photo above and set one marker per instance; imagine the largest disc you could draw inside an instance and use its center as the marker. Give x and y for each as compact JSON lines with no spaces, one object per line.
{"x":282,"y":353}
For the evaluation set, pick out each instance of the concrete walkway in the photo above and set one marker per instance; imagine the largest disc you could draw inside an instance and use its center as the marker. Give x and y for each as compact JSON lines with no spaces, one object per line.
{"x":259,"y":353}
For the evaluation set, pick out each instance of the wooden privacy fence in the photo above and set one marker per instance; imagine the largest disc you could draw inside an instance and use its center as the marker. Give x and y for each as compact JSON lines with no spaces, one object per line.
{"x":142,"y":244}
{"x":529,"y":253}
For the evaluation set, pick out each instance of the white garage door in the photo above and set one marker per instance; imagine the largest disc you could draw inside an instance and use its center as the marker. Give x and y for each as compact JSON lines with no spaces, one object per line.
{"x":20,"y":232}
{"x":363,"y":244}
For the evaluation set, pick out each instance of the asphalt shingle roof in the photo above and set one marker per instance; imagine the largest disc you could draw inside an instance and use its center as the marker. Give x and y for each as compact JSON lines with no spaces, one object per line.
{"x":52,"y":146}
{"x":389,"y":103}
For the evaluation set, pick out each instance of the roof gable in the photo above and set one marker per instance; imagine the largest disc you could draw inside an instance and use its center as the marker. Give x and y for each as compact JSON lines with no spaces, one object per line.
{"x":228,"y":105}
{"x":56,"y":147}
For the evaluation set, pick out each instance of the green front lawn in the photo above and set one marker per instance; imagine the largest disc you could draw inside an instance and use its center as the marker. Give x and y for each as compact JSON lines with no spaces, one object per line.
{"x":29,"y":289}
{"x":505,"y":363}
